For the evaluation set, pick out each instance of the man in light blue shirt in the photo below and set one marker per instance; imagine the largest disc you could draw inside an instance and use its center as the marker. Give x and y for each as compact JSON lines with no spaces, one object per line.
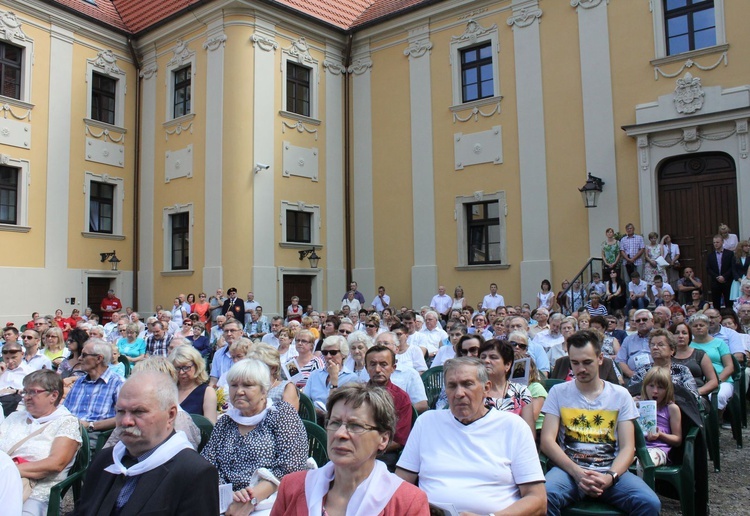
{"x":634,"y":351}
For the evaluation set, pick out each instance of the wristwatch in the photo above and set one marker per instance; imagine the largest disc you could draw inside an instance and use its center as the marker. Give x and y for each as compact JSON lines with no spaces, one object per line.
{"x":615,"y":476}
{"x":91,"y":426}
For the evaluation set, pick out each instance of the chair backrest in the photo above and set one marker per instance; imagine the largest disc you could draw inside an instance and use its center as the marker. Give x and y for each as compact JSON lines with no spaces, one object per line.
{"x":124,"y":360}
{"x":433,"y":384}
{"x":306,"y":408}
{"x":205,"y":426}
{"x":414,"y":416}
{"x":83,"y":457}
{"x":551,"y":382}
{"x":737,"y":374}
{"x":317,"y":442}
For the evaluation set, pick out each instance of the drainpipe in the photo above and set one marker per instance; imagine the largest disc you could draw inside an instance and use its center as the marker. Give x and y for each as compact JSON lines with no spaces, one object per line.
{"x":136,"y":175}
{"x":347,"y":165}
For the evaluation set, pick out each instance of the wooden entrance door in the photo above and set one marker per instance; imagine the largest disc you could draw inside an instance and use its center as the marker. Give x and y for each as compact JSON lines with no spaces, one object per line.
{"x":96,"y":290}
{"x":299,"y":285}
{"x":696,"y":194}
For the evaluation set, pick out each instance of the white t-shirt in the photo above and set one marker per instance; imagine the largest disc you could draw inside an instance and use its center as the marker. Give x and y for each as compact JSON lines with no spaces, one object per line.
{"x":411,"y":358}
{"x":446,"y":353}
{"x":475,"y":467}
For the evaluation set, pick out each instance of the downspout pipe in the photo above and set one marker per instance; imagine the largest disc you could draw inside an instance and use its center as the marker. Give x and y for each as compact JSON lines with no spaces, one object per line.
{"x":136,"y":174}
{"x":347,"y":163}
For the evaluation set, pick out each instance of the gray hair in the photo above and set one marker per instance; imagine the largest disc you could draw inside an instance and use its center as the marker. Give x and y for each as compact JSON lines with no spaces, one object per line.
{"x":456,"y":363}
{"x":164,"y":389}
{"x":645,"y":311}
{"x":166,"y":314}
{"x":393,"y":337}
{"x":101,"y":347}
{"x":249,"y":370}
{"x":359,"y":336}
{"x":378,"y":400}
{"x":433,"y":313}
{"x":337,"y":340}
{"x":699,"y":318}
{"x":557,"y":316}
{"x":47,"y":380}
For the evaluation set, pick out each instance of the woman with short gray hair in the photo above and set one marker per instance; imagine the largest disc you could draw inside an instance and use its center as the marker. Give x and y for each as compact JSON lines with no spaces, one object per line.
{"x":257,"y":442}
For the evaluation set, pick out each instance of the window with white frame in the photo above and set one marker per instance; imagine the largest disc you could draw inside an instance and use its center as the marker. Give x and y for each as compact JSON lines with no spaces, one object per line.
{"x":16,"y":52}
{"x":14,"y":192}
{"x":481,"y":232}
{"x":300,"y":83}
{"x":300,"y":224}
{"x":683,"y":26}
{"x":180,"y":87}
{"x":178,"y":225}
{"x":106,"y":82}
{"x":103,"y":206}
{"x":474,"y":63}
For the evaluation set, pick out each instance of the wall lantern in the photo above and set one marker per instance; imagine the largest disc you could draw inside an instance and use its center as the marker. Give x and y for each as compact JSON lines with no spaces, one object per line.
{"x":591,"y":190}
{"x":312,"y":256}
{"x":113,"y":259}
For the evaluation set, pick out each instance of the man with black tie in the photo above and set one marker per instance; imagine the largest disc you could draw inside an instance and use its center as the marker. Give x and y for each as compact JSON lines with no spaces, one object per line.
{"x":719,"y":266}
{"x":234,"y":305}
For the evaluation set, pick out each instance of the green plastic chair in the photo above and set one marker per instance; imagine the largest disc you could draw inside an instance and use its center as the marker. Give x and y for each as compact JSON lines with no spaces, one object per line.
{"x":679,"y":481}
{"x":433,"y":384}
{"x":414,"y":416}
{"x":125,"y":361}
{"x":551,"y":382}
{"x":101,"y":440}
{"x":735,"y":404}
{"x":74,"y":479}
{"x":317,"y":441}
{"x":306,"y":408}
{"x":205,"y":426}
{"x":711,"y":430}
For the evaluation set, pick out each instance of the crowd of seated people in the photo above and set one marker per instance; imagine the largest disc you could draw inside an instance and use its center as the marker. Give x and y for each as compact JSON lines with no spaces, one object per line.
{"x":247,"y":377}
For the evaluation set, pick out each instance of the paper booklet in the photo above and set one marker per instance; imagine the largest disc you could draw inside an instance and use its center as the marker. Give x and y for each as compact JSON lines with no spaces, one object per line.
{"x":647,"y":417}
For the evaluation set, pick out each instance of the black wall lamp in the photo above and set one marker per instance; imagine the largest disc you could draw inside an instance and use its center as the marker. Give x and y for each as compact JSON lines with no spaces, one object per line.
{"x":312,"y":256}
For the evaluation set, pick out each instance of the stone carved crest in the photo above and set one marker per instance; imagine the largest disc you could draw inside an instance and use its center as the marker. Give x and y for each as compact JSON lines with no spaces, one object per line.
{"x":182,"y":54}
{"x":300,"y":50}
{"x":107,"y":62}
{"x":473,"y":31}
{"x":688,"y":95}
{"x":10,"y":27}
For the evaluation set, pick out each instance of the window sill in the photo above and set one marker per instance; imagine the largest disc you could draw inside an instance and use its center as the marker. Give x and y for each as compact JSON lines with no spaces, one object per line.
{"x":716,"y":49}
{"x":301,"y":118}
{"x":14,"y":228}
{"x":296,"y":245}
{"x":178,"y":273}
{"x":102,"y":236}
{"x":476,"y":104}
{"x":489,"y":267}
{"x":179,"y":120}
{"x":15,"y":102}
{"x":105,"y":125}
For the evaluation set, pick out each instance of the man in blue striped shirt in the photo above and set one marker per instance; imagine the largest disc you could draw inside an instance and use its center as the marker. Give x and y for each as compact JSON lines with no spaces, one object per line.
{"x":92,"y":398}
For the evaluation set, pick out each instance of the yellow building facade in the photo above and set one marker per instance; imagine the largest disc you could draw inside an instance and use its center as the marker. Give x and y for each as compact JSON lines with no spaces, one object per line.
{"x":440,"y":145}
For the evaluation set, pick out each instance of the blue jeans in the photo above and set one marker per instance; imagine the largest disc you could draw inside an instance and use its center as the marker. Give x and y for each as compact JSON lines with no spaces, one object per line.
{"x":630,"y":495}
{"x":638,"y":303}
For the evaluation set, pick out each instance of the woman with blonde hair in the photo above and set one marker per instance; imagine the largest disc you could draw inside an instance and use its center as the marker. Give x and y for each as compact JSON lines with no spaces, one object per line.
{"x":459,"y":301}
{"x":285,"y":349}
{"x":192,"y":383}
{"x":54,"y":346}
{"x":372,"y":326}
{"x":280,"y":389}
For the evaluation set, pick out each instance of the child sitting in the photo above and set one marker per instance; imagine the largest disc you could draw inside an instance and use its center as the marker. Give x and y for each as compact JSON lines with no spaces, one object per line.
{"x":658,"y":386}
{"x":116,"y":366}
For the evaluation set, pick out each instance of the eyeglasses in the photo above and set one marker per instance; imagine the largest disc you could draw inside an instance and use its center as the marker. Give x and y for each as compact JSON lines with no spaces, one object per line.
{"x":352,"y":428}
{"x":84,"y":355}
{"x":27,"y":337}
{"x":50,"y":336}
{"x":644,"y":319}
{"x":471,"y":351}
{"x":184,"y":369}
{"x":187,"y":324}
{"x":371,"y":325}
{"x":344,"y":332}
{"x":332,"y":352}
{"x":519,"y":345}
{"x":303,"y":341}
{"x":11,"y":351}
{"x":30,"y":393}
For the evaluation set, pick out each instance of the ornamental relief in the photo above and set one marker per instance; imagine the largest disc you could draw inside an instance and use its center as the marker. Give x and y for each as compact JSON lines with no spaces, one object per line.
{"x":688,"y":95}
{"x":10,"y":27}
{"x":473,"y":31}
{"x":107,"y":62}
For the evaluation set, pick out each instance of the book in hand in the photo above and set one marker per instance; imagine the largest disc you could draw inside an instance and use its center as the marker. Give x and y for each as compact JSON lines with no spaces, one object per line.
{"x":647,"y":417}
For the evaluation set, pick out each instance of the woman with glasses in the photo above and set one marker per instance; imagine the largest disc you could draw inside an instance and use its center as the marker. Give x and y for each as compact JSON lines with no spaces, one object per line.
{"x":718,"y":351}
{"x":663,"y":345}
{"x":306,"y":361}
{"x":202,"y":308}
{"x":536,"y":378}
{"x":192,"y":383}
{"x":43,"y":439}
{"x":258,"y":442}
{"x":54,"y":346}
{"x":199,"y":340}
{"x":130,"y":345}
{"x":335,"y":349}
{"x":373,"y":327}
{"x":360,"y":423}
{"x":71,"y":366}
{"x":498,"y":357}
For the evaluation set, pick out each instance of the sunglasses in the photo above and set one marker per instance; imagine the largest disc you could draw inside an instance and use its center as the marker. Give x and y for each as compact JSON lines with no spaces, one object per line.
{"x":11,"y":351}
{"x":344,"y":332}
{"x":371,"y":325}
{"x":471,"y":350}
{"x":84,"y":355}
{"x":331,"y":352}
{"x":518,"y":345}
{"x":642,"y":320}
{"x":27,"y":337}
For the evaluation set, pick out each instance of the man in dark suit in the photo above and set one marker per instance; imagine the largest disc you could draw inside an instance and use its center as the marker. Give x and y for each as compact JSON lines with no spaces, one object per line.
{"x":719,"y":265}
{"x":153,"y":469}
{"x":234,"y":305}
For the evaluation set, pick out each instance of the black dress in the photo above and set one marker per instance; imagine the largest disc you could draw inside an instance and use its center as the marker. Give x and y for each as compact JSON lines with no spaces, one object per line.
{"x":193,"y":404}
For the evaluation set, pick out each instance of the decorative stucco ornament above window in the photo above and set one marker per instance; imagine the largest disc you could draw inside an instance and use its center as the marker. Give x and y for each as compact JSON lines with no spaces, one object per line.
{"x":688,"y":95}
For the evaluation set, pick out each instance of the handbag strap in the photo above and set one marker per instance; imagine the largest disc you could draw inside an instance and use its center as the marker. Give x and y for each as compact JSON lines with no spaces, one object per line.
{"x":32,"y":434}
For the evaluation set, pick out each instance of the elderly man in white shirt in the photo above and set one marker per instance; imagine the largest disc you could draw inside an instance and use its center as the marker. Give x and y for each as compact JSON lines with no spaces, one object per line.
{"x":432,"y":331}
{"x":551,"y":336}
